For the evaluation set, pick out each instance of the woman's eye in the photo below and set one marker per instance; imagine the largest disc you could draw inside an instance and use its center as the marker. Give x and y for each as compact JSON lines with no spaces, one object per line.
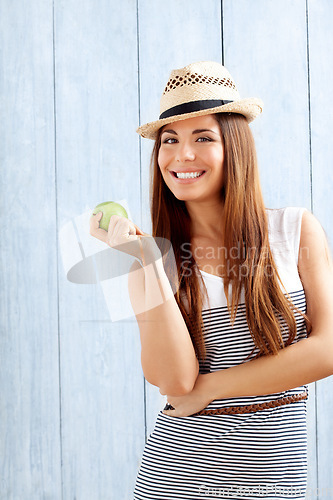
{"x":170,"y":140}
{"x":204,"y":139}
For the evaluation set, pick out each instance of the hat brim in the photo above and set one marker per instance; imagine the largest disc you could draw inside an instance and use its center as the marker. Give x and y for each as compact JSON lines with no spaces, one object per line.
{"x":250,"y":108}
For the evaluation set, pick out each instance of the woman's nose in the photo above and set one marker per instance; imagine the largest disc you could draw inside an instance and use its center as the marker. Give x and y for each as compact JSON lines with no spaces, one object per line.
{"x":185,"y":153}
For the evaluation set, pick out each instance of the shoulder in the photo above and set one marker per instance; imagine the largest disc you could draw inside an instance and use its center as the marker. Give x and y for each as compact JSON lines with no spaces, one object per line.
{"x":316,"y":271}
{"x":313,"y":248}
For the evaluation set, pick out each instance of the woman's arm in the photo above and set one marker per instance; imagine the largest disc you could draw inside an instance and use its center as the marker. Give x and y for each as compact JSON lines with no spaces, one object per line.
{"x":167,"y":354}
{"x":309,"y":359}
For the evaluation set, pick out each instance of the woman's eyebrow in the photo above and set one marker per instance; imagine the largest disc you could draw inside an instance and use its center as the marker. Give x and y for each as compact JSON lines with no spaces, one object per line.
{"x":169,"y":131}
{"x":197,"y":131}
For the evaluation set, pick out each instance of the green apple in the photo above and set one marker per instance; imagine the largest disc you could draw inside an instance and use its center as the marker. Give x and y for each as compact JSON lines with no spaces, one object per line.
{"x":109,"y":208}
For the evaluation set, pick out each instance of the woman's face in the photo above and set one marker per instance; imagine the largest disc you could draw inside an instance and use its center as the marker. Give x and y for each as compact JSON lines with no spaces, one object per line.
{"x":192,"y":145}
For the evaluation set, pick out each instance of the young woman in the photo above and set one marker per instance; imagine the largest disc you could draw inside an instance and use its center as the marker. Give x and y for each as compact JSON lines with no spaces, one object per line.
{"x":251,"y":321}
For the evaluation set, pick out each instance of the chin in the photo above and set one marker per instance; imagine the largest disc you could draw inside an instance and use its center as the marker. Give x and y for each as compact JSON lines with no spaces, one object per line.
{"x":184,"y":197}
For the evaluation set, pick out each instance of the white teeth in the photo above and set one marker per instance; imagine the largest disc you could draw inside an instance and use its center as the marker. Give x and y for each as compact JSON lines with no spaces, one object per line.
{"x":189,"y":175}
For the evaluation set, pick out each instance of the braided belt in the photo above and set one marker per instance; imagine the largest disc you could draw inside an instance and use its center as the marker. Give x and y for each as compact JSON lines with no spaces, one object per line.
{"x":232,"y":410}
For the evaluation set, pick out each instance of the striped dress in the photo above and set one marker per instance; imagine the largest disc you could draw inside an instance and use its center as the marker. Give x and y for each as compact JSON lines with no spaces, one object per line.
{"x":245,"y":456}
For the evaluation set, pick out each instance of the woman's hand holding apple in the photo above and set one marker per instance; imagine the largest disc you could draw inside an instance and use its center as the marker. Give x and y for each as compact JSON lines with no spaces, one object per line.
{"x":125,"y":236}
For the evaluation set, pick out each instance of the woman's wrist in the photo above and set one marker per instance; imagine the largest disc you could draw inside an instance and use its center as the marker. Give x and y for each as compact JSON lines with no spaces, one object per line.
{"x":149,"y":251}
{"x":204,"y":384}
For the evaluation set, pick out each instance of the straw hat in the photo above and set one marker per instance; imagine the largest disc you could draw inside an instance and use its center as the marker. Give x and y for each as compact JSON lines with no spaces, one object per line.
{"x":198,"y":89}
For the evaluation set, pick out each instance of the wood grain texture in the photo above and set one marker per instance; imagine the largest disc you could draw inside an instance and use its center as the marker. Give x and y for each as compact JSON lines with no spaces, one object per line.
{"x":29,"y":376}
{"x":266,"y":54}
{"x":320,"y":21}
{"x":102,"y":384}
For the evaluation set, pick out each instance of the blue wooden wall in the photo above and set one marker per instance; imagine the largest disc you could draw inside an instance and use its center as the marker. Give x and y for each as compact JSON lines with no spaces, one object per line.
{"x":77,"y":77}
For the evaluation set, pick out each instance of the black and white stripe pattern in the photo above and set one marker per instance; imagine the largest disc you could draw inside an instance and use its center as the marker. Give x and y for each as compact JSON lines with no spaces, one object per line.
{"x":258,"y":455}
{"x":229,"y":346}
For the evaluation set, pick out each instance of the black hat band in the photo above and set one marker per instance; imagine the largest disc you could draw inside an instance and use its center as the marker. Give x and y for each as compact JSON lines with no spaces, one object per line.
{"x":191,"y":107}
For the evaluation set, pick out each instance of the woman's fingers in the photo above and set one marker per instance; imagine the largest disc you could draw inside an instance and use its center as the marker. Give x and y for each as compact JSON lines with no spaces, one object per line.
{"x":138,"y":230}
{"x":95,"y":230}
{"x":124,"y":235}
{"x":120,"y":231}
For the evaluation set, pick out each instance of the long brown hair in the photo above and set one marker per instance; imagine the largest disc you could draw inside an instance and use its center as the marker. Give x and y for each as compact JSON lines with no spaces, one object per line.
{"x":245,"y":228}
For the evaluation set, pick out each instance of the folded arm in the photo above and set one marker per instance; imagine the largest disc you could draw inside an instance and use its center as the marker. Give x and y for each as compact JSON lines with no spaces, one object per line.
{"x":309,"y":359}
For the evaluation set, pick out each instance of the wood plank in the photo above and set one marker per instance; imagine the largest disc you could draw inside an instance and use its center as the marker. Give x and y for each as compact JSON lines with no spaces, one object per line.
{"x":102,"y":384}
{"x":171,"y":36}
{"x":266,"y":54}
{"x":321,"y":83}
{"x":29,"y":375}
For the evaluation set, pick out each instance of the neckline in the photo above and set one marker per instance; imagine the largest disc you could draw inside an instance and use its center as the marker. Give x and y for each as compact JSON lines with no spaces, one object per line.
{"x":214,"y":276}
{"x":219,"y":278}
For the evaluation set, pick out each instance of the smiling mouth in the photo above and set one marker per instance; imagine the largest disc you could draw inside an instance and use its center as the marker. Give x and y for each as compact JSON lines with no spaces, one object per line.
{"x":189,"y":176}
